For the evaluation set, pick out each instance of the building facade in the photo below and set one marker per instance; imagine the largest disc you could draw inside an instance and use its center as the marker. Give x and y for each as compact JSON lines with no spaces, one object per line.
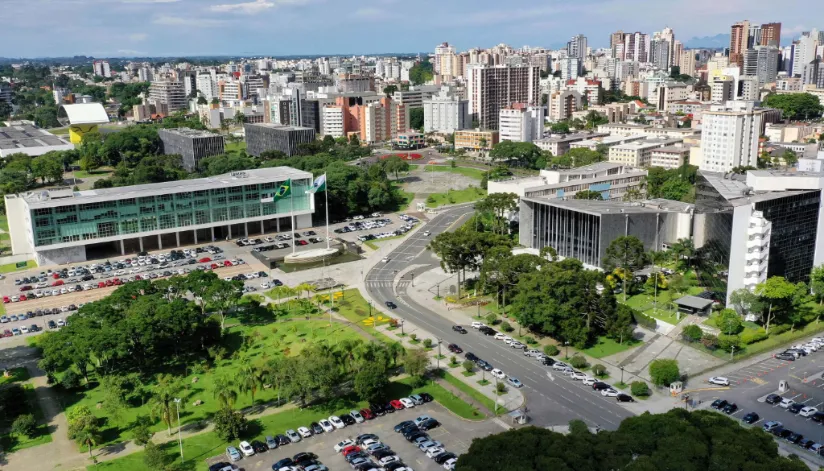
{"x":474,"y":139}
{"x":490,"y":88}
{"x":192,"y":145}
{"x":729,"y":136}
{"x":521,"y":123}
{"x":610,"y":179}
{"x":169,"y":93}
{"x":266,"y":136}
{"x":445,"y":114}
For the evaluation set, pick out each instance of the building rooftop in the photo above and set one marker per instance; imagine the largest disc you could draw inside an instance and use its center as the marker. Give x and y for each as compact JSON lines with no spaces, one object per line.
{"x":609,"y":140}
{"x":24,"y":137}
{"x":646,"y":143}
{"x":572,"y":137}
{"x":615,"y":206}
{"x":277,"y":126}
{"x":187,"y":132}
{"x":83,"y":113}
{"x":64,"y":196}
{"x":735,"y":189}
{"x":591,"y":168}
{"x":675,"y":149}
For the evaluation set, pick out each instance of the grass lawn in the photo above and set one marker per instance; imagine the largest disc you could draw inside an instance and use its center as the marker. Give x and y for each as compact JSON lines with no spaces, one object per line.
{"x":356,"y":310}
{"x":468,"y":390}
{"x":406,"y":201}
{"x":234,"y":146}
{"x":93,"y":173}
{"x":287,"y":338}
{"x":456,"y":197}
{"x":643,"y":302}
{"x":12,"y":267}
{"x":605,"y":347}
{"x":465,"y":171}
{"x":11,"y":443}
{"x":200,"y":447}
{"x":4,"y":222}
{"x":374,"y":244}
{"x":15,"y":374}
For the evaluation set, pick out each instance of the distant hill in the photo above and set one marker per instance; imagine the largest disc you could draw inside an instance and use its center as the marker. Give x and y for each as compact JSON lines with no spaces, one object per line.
{"x":718,"y":41}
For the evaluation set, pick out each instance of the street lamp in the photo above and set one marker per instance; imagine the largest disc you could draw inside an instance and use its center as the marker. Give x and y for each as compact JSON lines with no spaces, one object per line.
{"x":566,"y":345}
{"x":402,"y":334}
{"x":622,"y":375}
{"x":439,"y":355}
{"x":179,"y":439}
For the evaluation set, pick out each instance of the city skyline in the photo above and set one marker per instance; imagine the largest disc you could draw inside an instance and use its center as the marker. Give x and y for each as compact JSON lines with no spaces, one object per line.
{"x":128,"y":28}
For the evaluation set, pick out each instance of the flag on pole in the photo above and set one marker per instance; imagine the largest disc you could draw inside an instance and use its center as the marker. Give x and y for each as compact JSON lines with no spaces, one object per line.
{"x":319,"y":184}
{"x":284,"y":191}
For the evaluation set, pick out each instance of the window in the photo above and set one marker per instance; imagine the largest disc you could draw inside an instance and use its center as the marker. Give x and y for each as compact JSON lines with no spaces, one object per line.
{"x":167,"y":221}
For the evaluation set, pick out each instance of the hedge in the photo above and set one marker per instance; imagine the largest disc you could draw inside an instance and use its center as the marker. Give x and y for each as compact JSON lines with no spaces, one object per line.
{"x":750,"y":336}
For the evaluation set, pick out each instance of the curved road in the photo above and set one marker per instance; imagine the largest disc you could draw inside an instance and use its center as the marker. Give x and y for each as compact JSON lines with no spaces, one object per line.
{"x":550,"y":398}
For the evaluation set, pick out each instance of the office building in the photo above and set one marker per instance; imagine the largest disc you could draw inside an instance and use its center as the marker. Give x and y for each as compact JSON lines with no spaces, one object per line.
{"x":445,"y":114}
{"x":739,"y":37}
{"x":638,"y":153}
{"x":414,"y":97}
{"x":267,"y":136}
{"x":563,"y":103}
{"x":409,"y":140}
{"x":660,"y":53}
{"x":169,"y":93}
{"x":23,"y":137}
{"x":6,"y":92}
{"x":729,"y":136}
{"x":687,"y":63}
{"x":636,"y":47}
{"x":583,"y":229}
{"x":475,"y":139}
{"x":670,"y":157}
{"x":813,"y":73}
{"x":62,"y":226}
{"x":570,"y":68}
{"x":490,"y":88}
{"x":610,"y":179}
{"x":761,"y":62}
{"x":193,"y":145}
{"x":559,"y":145}
{"x":521,"y":123}
{"x":577,"y":46}
{"x":722,"y":89}
{"x":595,"y":143}
{"x":771,"y":35}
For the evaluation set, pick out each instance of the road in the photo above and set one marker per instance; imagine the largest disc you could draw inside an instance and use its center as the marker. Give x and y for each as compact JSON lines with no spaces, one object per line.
{"x":550,"y":399}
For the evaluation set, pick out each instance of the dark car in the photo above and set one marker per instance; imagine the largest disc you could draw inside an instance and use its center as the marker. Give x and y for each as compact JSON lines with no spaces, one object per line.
{"x":751,"y":418}
{"x":806,"y":444}
{"x":259,"y":446}
{"x":401,"y":426}
{"x":391,"y":305}
{"x":458,"y":328}
{"x":730,"y":408}
{"x":412,"y":436}
{"x":454,"y":348}
{"x":794,"y":438}
{"x":778,"y":431}
{"x":785,"y":433}
{"x":624,"y":398}
{"x":394,"y":465}
{"x":366,"y":436}
{"x":785,"y":356}
{"x":383,"y":453}
{"x":489,"y":332}
{"x":429,"y":424}
{"x":471,"y":356}
{"x":282,"y":463}
{"x":426,"y":397}
{"x":277,"y":282}
{"x":377,"y":409}
{"x":52,"y":325}
{"x":388,"y":408}
{"x":548,"y":361}
{"x":818,"y":417}
{"x":218,"y":466}
{"x":282,"y":440}
{"x":484,"y":365}
{"x":444,"y":457}
{"x":348,"y":419}
{"x":316,"y":428}
{"x":795,"y":408}
{"x":718,"y":404}
{"x":600,"y":386}
{"x":773,"y":399}
{"x":303,"y":456}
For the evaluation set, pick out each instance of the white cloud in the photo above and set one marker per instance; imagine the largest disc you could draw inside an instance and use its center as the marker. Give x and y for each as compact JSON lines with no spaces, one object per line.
{"x":178,"y":21}
{"x":249,"y":8}
{"x":138,"y":36}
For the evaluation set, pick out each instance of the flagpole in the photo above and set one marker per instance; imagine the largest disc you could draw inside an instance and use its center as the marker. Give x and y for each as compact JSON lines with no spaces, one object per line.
{"x":326,"y":197}
{"x":292,"y":214}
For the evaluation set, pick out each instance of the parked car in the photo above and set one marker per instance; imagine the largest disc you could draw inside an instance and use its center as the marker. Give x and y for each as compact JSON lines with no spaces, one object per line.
{"x":773,"y":399}
{"x":515,"y":382}
{"x":233,"y":454}
{"x":246,"y":448}
{"x":719,"y":380}
{"x":750,"y":418}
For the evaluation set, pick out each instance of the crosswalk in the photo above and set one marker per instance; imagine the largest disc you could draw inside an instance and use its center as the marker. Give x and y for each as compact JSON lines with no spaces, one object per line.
{"x":379,"y":284}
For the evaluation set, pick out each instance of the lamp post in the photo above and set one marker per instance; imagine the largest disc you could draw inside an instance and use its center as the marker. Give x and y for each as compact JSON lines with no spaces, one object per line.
{"x":402,"y":334}
{"x":622,"y":375}
{"x":412,"y":276}
{"x":179,"y":439}
{"x":566,"y":346}
{"x":439,"y":355}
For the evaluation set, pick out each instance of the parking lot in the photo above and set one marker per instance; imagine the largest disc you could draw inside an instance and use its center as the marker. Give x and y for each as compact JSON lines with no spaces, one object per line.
{"x":750,"y":386}
{"x":455,"y":434}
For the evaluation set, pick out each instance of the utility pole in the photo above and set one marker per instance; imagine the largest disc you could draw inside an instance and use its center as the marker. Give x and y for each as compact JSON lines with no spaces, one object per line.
{"x":179,"y":439}
{"x":439,"y":355}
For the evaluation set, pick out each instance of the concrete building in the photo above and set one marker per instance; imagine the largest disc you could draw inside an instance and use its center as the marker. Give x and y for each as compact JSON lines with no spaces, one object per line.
{"x":577,"y":46}
{"x":559,"y":145}
{"x":761,"y":62}
{"x":722,"y":89}
{"x":415,"y":96}
{"x":687,"y":63}
{"x":638,"y":153}
{"x":610,"y":179}
{"x":23,"y":137}
{"x":779,"y":132}
{"x":193,"y":145}
{"x":445,"y":114}
{"x":670,"y":157}
{"x":490,"y":88}
{"x":102,"y":69}
{"x":62,"y":226}
{"x":266,"y":136}
{"x":583,"y":229}
{"x":563,"y":103}
{"x":6,"y":92}
{"x":729,"y":136}
{"x":521,"y":123}
{"x":409,"y":140}
{"x":570,"y":68}
{"x":475,"y":139}
{"x":605,"y":142}
{"x":169,"y":93}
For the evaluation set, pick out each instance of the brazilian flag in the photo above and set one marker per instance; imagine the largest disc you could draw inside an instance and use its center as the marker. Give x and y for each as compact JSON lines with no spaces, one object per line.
{"x":284,"y":191}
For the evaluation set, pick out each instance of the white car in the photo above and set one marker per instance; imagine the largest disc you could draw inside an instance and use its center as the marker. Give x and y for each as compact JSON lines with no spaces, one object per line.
{"x":357,"y":416}
{"x":340,"y":446}
{"x":478,"y":325}
{"x":609,"y":392}
{"x":304,"y":432}
{"x":24,"y":329}
{"x":719,"y":380}
{"x":579,"y":376}
{"x":515,"y":382}
{"x":450,"y":464}
{"x":421,"y":419}
{"x":385,"y":260}
{"x":516,"y":344}
{"x":589,"y":381}
{"x":786,"y":403}
{"x":326,"y":425}
{"x":293,"y":436}
{"x":559,"y":365}
{"x":807,"y":411}
{"x":499,"y":336}
{"x":434,"y":451}
{"x":498,"y":373}
{"x":407,"y":403}
{"x":388,"y":459}
{"x":427,"y":444}
{"x":60,"y":323}
{"x":336,"y":421}
{"x":508,"y":340}
{"x":246,"y":449}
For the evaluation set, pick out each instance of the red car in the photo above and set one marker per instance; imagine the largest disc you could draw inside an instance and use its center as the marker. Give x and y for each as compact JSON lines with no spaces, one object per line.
{"x":117,"y":282}
{"x":23,"y":297}
{"x":7,"y":333}
{"x":101,"y":285}
{"x":367,"y":414}
{"x":214,"y":266}
{"x":396,"y":404}
{"x":227,"y":263}
{"x":58,"y":283}
{"x":205,"y":260}
{"x":25,"y":288}
{"x":55,"y":275}
{"x":454,"y":348}
{"x":303,"y":242}
{"x":109,"y":283}
{"x":6,"y":299}
{"x":350,"y":449}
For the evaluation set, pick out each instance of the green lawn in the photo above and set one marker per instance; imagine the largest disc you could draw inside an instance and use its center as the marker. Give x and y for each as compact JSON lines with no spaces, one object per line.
{"x":12,"y":267}
{"x":465,"y":171}
{"x":4,"y":222}
{"x":644,"y":303}
{"x":606,"y":347}
{"x":356,"y":310}
{"x":374,"y":244}
{"x":11,"y":443}
{"x":455,"y":197}
{"x":234,"y":146}
{"x":15,"y":374}
{"x":288,"y":338}
{"x":200,"y":447}
{"x":468,"y":390}
{"x":93,"y":173}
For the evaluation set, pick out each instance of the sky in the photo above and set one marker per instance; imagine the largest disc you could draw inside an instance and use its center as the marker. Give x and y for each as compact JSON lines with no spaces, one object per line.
{"x":122,"y":28}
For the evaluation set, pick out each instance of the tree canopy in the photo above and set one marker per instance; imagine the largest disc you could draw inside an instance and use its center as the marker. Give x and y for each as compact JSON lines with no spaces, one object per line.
{"x":421,"y":73}
{"x":525,"y":154}
{"x":795,"y":105}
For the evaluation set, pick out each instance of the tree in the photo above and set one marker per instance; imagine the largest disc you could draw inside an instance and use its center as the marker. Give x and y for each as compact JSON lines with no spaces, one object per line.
{"x":415,"y":362}
{"x":692,"y":333}
{"x":153,"y":456}
{"x":225,"y":392}
{"x":141,"y":430}
{"x":729,"y":322}
{"x":421,"y":73}
{"x":683,"y":250}
{"x":817,"y":283}
{"x":162,"y":402}
{"x":114,"y":395}
{"x":639,"y":388}
{"x":25,"y":425}
{"x":249,"y":379}
{"x":599,"y":370}
{"x":416,"y":119}
{"x":588,"y":195}
{"x":795,"y":106}
{"x":239,"y":118}
{"x":223,"y":295}
{"x":620,"y":326}
{"x":664,"y":372}
{"x":202,"y":101}
{"x":390,"y":90}
{"x":229,"y":424}
{"x":468,"y":366}
{"x":777,"y":292}
{"x":524,"y":154}
{"x":84,"y":427}
{"x":561,"y":127}
{"x":371,"y":382}
{"x":628,"y":254}
{"x":394,"y":164}
{"x":632,"y":194}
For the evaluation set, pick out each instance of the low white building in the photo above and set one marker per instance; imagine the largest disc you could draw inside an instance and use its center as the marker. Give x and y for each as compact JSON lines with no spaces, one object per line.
{"x":445,"y":113}
{"x":521,"y":123}
{"x":638,"y":153}
{"x":610,"y":179}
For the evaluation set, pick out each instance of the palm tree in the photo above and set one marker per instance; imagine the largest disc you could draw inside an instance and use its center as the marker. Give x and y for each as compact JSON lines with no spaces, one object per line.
{"x":250,"y":379}
{"x":632,"y":194}
{"x":89,"y":437}
{"x":656,"y":257}
{"x":396,"y":350}
{"x":347,"y":349}
{"x":224,"y":392}
{"x":684,"y":249}
{"x":163,"y":396}
{"x":240,"y":118}
{"x":304,"y":287}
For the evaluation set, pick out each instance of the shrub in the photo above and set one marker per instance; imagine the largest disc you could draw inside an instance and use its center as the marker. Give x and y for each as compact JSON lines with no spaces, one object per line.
{"x":430,"y":199}
{"x":639,"y":388}
{"x":453,"y":360}
{"x":692,"y":333}
{"x":664,"y":372}
{"x":500,"y":387}
{"x":153,"y":456}
{"x":491,"y":318}
{"x":229,"y":424}
{"x":70,"y":380}
{"x":506,"y":327}
{"x":578,"y":362}
{"x":599,"y":370}
{"x":530,"y":341}
{"x":551,"y":350}
{"x":141,"y":431}
{"x":468,"y":366}
{"x":779,"y":329}
{"x":750,"y":336}
{"x":427,"y":343}
{"x":728,"y":342}
{"x":710,"y":341}
{"x":729,"y":322}
{"x":24,"y":425}
{"x":414,"y":337}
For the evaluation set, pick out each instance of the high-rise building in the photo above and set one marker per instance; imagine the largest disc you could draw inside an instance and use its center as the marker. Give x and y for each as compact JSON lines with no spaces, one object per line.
{"x":635,"y":47}
{"x":445,"y":113}
{"x":687,"y":63}
{"x":803,"y":52}
{"x":771,"y":34}
{"x":739,"y":38}
{"x":192,"y":145}
{"x":577,"y":46}
{"x":490,"y":88}
{"x":102,"y":69}
{"x":616,"y":43}
{"x":729,"y":136}
{"x":761,"y":62}
{"x":521,"y":123}
{"x":813,"y":73}
{"x":570,"y":68}
{"x":660,"y":53}
{"x":444,"y":57}
{"x":169,"y":93}
{"x":563,"y":103}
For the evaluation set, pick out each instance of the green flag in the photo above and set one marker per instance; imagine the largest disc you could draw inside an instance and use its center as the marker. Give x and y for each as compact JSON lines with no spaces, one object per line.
{"x":284,"y":191}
